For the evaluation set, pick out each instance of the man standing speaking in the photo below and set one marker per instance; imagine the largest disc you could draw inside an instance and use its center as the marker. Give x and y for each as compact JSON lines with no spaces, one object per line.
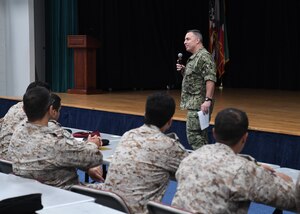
{"x":198,"y":85}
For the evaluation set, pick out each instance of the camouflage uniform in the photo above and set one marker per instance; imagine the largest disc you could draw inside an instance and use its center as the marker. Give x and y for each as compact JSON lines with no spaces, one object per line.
{"x":54,"y":126}
{"x":215,"y":180}
{"x":141,"y":166}
{"x":11,"y":120}
{"x":199,"y":69}
{"x":298,"y":194}
{"x":47,"y":155}
{"x":1,"y":121}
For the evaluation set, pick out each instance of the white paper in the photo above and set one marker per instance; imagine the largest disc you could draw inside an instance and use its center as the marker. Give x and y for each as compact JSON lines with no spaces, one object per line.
{"x":203,"y":119}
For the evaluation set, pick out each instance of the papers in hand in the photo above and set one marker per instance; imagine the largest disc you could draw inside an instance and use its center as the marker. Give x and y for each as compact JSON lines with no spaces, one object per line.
{"x":203,"y":119}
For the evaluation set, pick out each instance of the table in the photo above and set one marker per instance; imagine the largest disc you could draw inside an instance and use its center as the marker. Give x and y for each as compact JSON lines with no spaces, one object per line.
{"x":107,"y":151}
{"x":13,"y":186}
{"x":86,"y":208}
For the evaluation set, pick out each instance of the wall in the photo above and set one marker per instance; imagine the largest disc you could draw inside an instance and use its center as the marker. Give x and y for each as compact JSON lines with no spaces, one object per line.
{"x":2,"y":49}
{"x":17,"y":46}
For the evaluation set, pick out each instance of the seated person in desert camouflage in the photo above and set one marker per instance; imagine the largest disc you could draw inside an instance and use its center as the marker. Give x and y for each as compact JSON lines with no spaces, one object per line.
{"x":146,"y":157}
{"x":215,"y":179}
{"x":45,"y":153}
{"x":12,"y":119}
{"x":53,"y":121}
{"x":95,"y":173}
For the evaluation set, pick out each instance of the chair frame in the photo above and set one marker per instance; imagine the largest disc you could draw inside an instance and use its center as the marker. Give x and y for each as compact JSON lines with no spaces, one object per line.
{"x":160,"y":208}
{"x":5,"y":166}
{"x":103,"y":197}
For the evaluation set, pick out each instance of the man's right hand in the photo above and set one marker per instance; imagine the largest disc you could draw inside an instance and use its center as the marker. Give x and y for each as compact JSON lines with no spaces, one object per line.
{"x":284,"y":176}
{"x":95,"y":139}
{"x":96,"y":173}
{"x":180,"y":67}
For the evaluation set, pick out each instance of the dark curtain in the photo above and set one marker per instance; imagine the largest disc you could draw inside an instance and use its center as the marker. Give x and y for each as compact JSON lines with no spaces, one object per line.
{"x":264,"y":44}
{"x":140,"y":40}
{"x":61,"y":20}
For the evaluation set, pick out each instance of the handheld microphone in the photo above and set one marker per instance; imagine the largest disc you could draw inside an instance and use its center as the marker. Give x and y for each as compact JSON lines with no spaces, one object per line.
{"x":179,"y":59}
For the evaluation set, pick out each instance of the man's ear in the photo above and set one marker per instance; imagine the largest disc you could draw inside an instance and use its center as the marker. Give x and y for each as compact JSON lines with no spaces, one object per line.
{"x":245,"y":136}
{"x":51,"y":111}
{"x":169,"y":123}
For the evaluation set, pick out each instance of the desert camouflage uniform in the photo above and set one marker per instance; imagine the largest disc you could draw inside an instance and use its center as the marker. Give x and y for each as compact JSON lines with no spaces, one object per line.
{"x":47,"y":155}
{"x":215,"y":180}
{"x":298,"y":194}
{"x":54,"y":126}
{"x":1,"y":121}
{"x":199,"y":68}
{"x":142,"y":164}
{"x":11,"y":120}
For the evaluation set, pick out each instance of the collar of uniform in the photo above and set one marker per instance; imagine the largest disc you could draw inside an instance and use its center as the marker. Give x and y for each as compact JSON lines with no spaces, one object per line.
{"x":152,"y":127}
{"x":37,"y":126}
{"x":225,"y":147}
{"x":55,"y":122}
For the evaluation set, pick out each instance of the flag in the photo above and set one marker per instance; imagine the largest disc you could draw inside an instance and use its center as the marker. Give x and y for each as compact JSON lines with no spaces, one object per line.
{"x":218,"y":44}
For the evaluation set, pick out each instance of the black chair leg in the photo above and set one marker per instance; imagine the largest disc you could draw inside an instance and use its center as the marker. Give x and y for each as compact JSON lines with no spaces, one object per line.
{"x":277,"y":211}
{"x":86,"y":178}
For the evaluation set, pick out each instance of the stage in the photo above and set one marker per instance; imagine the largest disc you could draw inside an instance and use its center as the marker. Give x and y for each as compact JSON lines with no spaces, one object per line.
{"x":274,"y":116}
{"x":268,"y":111}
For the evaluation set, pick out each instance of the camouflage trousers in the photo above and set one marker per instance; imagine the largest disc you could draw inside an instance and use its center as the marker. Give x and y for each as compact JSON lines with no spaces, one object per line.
{"x":196,"y":137}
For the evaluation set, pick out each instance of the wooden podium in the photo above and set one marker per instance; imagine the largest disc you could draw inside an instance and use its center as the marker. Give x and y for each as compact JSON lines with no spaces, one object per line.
{"x":84,"y":64}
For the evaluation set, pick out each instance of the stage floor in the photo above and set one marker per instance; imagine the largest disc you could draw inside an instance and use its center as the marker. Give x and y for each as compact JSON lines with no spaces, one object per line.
{"x":268,"y":110}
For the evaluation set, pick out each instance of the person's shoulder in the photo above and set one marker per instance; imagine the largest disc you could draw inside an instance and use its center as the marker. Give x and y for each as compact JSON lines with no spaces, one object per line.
{"x":15,"y":110}
{"x":173,"y":136}
{"x":23,"y":131}
{"x":54,"y":126}
{"x":62,"y":137}
{"x":1,"y":121}
{"x":130,"y":132}
{"x":139,"y":131}
{"x":17,"y":105}
{"x":205,"y":54}
{"x":174,"y":141}
{"x":247,"y":158}
{"x":249,"y":164}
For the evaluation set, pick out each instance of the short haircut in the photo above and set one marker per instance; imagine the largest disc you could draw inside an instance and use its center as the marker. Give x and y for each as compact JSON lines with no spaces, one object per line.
{"x":36,"y":103}
{"x":55,"y":101}
{"x":230,"y":125}
{"x":197,"y":33}
{"x":38,"y":83}
{"x":160,"y":108}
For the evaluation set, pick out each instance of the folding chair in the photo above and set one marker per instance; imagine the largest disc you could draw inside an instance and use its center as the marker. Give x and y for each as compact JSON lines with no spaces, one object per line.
{"x":103,"y":197}
{"x":159,"y":208}
{"x":5,"y":166}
